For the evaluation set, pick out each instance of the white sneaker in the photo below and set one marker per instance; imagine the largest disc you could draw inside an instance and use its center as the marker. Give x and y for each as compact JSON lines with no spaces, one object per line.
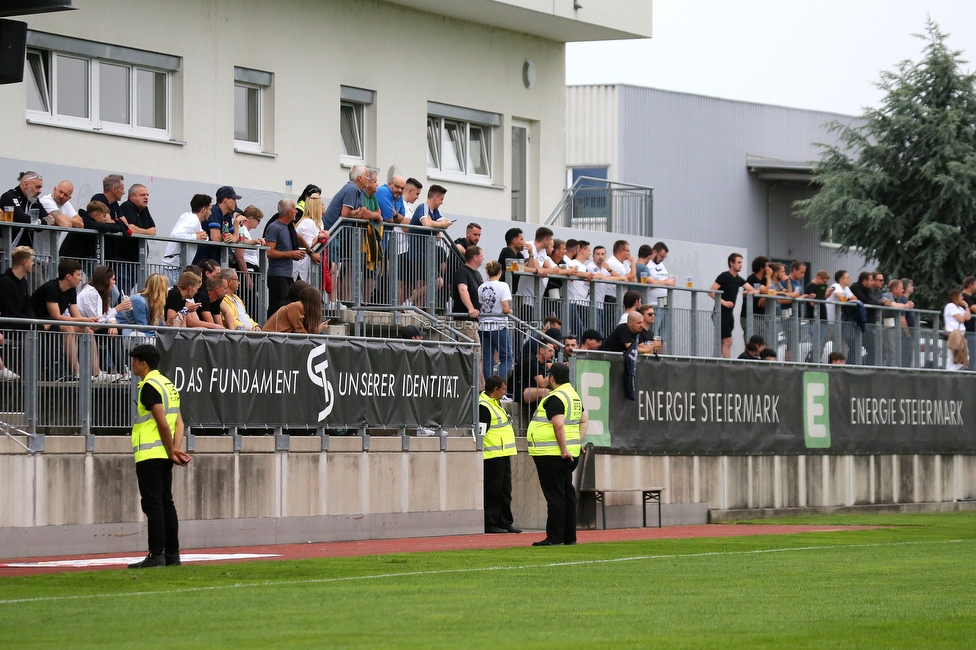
{"x":7,"y":373}
{"x":105,"y":377}
{"x":425,"y":432}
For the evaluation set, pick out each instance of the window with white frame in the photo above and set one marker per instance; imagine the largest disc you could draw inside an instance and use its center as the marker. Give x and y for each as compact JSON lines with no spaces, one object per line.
{"x":354,"y":104}
{"x":252,"y":90}
{"x":88,"y":85}
{"x":459,"y":142}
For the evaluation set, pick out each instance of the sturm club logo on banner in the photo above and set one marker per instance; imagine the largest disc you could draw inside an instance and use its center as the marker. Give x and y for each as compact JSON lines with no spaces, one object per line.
{"x":316,"y":366}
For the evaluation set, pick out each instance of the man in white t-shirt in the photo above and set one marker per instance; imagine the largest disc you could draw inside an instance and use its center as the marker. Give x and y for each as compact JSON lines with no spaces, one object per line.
{"x":622,"y":264}
{"x":537,"y":262}
{"x":59,"y":208}
{"x":579,"y":287}
{"x":597,"y":268}
{"x":188,"y":226}
{"x":659,"y":276}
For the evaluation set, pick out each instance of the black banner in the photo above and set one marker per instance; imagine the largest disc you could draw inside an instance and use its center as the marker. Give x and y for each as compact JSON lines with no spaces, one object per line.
{"x":234,"y":379}
{"x":687,"y":406}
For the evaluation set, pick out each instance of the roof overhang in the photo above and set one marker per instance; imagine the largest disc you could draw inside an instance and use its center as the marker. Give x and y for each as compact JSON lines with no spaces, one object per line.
{"x":772,"y":169}
{"x":27,"y":7}
{"x":562,"y":20}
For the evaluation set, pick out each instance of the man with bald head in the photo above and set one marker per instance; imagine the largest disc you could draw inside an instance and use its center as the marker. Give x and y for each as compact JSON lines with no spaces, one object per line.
{"x":60,"y":213}
{"x":623,"y":335}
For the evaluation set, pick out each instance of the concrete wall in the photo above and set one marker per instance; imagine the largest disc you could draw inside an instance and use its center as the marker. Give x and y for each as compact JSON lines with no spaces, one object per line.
{"x":408,"y":57}
{"x":65,"y":500}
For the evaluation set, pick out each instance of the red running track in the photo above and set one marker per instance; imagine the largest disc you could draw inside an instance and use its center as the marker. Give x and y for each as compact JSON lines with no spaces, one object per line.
{"x":425,"y":544}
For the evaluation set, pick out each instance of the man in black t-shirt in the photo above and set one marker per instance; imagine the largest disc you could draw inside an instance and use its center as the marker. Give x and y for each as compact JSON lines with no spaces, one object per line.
{"x":529,"y":376}
{"x":729,"y":282}
{"x":626,"y":334}
{"x":135,"y":217}
{"x":472,"y":235}
{"x":179,"y":297}
{"x":464,"y":292}
{"x":968,"y":287}
{"x":514,"y":243}
{"x":761,"y":279}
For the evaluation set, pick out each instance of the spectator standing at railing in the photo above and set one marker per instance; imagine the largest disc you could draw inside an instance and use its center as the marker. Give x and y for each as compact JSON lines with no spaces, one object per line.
{"x":819,"y":288}
{"x":113,"y":189}
{"x":390,"y":199}
{"x":968,"y":287}
{"x":632,"y":301}
{"x":843,"y":310}
{"x":15,"y":298}
{"x":23,"y":200}
{"x":902,"y":296}
{"x":759,"y":280}
{"x":285,"y":246}
{"x":515,"y":249}
{"x":867,"y":289}
{"x":138,"y":221}
{"x":956,"y":314}
{"x":538,"y":262}
{"x":579,"y":285}
{"x":729,"y":282}
{"x":308,"y":227}
{"x":219,"y":222}
{"x":495,"y":298}
{"x":60,"y":213}
{"x":423,"y":243}
{"x":348,"y":201}
{"x":559,"y":257}
{"x":95,"y":216}
{"x":605,"y":292}
{"x":465,"y":294}
{"x":189,"y":225}
{"x":622,"y":264}
{"x":656,"y":274}
{"x":643,"y":257}
{"x":472,"y":235}
{"x":310,"y":189}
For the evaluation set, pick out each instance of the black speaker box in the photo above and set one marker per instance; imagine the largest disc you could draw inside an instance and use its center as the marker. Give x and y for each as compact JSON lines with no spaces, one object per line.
{"x":13,"y":51}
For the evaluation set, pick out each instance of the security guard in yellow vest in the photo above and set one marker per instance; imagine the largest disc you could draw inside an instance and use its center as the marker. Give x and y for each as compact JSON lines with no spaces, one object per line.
{"x":555,"y":435}
{"x":499,"y":446}
{"x":157,"y":435}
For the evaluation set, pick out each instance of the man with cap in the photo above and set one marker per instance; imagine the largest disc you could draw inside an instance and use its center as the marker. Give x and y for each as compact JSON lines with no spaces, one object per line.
{"x":555,"y":437}
{"x":221,"y":219}
{"x":499,"y":447}
{"x":590,"y":340}
{"x":411,"y":333}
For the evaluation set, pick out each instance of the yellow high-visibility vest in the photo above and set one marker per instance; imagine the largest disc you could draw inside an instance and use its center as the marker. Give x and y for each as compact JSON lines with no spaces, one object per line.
{"x":542,"y":436}
{"x":146,"y":442}
{"x":500,"y":437}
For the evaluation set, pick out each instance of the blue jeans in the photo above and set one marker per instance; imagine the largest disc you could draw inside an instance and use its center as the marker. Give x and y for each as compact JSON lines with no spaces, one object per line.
{"x":496,"y":341}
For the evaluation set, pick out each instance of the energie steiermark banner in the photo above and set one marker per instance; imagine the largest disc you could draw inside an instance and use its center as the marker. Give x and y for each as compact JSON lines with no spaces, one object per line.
{"x":686,"y":406}
{"x":236,"y":380}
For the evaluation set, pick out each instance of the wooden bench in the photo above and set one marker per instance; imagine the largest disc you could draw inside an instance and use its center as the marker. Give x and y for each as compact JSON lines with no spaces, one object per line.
{"x":648,"y":494}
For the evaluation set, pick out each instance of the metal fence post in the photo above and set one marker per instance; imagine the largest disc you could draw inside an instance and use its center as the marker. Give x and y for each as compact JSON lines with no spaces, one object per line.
{"x":85,"y":346}
{"x":430,"y":271}
{"x":670,"y":318}
{"x":31,"y":376}
{"x":263,"y":284}
{"x":694,"y":324}
{"x":795,"y":309}
{"x":749,"y":315}
{"x":537,"y":300}
{"x":143,"y":262}
{"x":717,"y":325}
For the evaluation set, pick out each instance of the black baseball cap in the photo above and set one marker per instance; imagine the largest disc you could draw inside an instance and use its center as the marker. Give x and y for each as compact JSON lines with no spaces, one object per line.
{"x":227,"y":192}
{"x":409,"y":332}
{"x":591,"y":334}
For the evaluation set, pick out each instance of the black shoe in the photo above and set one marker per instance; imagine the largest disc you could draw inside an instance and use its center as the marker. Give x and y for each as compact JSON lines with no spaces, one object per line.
{"x":573,"y":543}
{"x":546,"y":542}
{"x":172,"y":559}
{"x":513,"y":529}
{"x":150,"y":561}
{"x":493,"y":530}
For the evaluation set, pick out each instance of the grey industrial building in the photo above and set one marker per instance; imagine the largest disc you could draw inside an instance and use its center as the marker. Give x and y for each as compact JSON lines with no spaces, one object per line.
{"x":724,"y":172}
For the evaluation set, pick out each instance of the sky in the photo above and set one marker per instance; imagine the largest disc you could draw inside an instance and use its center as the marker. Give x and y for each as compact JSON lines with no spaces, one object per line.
{"x":822,"y":55}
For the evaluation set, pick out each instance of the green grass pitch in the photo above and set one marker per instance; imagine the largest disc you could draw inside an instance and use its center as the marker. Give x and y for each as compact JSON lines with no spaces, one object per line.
{"x":910,"y":586}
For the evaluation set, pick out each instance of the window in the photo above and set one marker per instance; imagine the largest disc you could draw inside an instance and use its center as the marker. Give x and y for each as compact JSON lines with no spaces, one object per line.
{"x":827,"y":238}
{"x":354,"y":113}
{"x":252,"y":99}
{"x":89,"y":85}
{"x":459,"y":142}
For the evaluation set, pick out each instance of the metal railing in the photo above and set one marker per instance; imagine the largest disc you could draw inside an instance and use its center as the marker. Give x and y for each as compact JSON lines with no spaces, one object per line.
{"x":131,"y":276}
{"x":606,"y":206}
{"x":687,"y":324}
{"x":79,"y":383}
{"x":879,"y":340}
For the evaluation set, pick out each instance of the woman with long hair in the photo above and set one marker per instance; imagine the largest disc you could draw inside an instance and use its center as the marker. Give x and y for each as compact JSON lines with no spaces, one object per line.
{"x":148,"y":306}
{"x":93,"y":302}
{"x":303,"y":316}
{"x":308,"y":227}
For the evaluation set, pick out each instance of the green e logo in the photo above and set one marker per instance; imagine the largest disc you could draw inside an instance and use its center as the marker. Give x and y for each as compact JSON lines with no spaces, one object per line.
{"x":593,"y":379}
{"x":816,"y":409}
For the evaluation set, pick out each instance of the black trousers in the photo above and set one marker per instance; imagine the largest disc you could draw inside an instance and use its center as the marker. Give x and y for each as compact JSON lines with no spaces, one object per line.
{"x":278,"y":286}
{"x":556,"y":480}
{"x":156,"y":488}
{"x":498,"y":492}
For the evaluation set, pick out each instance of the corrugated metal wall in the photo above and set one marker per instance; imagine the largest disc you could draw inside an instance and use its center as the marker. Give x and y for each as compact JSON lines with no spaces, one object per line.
{"x":693,"y":149}
{"x":591,"y":127}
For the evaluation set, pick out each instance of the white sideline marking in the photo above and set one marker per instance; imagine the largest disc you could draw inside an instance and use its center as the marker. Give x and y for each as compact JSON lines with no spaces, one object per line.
{"x":112,"y":561}
{"x":310,"y":581}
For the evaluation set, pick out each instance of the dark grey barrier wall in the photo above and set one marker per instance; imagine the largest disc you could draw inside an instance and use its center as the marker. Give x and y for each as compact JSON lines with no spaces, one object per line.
{"x":235,"y":379}
{"x":694,"y":406}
